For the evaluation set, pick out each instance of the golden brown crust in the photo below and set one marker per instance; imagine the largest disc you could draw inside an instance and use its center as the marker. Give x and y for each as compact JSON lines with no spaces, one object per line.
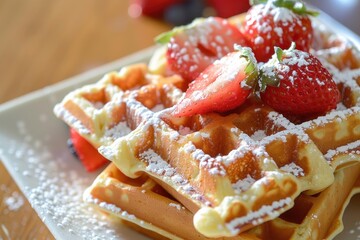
{"x":312,"y":217}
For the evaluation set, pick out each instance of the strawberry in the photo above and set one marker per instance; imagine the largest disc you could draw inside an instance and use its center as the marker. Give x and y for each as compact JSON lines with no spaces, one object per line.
{"x":193,"y":47}
{"x":222,"y":86}
{"x":277,"y":23}
{"x":153,"y":8}
{"x":88,"y":155}
{"x":295,"y":82}
{"x":228,"y":8}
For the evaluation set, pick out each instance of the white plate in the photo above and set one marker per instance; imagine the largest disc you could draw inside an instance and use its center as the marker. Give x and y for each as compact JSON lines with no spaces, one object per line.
{"x":33,"y":148}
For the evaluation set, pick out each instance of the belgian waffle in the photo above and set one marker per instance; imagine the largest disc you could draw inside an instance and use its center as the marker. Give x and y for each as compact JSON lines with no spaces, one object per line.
{"x":235,"y":171}
{"x":138,"y":201}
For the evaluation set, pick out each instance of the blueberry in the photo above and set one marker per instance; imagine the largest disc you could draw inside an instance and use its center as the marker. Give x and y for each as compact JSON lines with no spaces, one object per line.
{"x":184,"y":13}
{"x":72,"y":148}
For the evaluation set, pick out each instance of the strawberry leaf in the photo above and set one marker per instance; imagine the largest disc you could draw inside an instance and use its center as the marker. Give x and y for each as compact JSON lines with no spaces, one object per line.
{"x":279,"y":53}
{"x":268,"y":75}
{"x":165,"y":37}
{"x":300,"y":8}
{"x":297,"y":7}
{"x":268,"y":80}
{"x":256,"y":2}
{"x":251,"y":70}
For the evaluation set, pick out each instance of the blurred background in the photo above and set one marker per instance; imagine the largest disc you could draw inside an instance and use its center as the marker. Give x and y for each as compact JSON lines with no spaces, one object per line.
{"x":179,"y":12}
{"x":43,"y":42}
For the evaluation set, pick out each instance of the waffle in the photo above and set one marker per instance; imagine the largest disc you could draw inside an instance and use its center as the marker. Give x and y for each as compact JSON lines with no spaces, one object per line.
{"x":312,"y":217}
{"x":232,"y":172}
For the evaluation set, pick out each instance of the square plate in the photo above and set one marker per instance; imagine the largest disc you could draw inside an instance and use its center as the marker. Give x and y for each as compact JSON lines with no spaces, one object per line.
{"x":34,"y":150}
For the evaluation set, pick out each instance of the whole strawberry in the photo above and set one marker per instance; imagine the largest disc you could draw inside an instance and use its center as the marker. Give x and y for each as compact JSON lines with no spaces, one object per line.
{"x":295,"y":82}
{"x":191,"y":48}
{"x":277,"y":23}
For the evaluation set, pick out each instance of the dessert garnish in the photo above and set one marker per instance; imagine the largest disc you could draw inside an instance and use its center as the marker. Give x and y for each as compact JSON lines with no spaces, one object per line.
{"x":85,"y":152}
{"x":295,"y":82}
{"x":222,"y":86}
{"x":277,"y":23}
{"x":191,"y":48}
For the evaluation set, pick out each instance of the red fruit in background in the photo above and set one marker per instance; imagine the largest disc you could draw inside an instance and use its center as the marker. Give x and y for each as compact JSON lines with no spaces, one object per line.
{"x":295,"y":82}
{"x":153,"y":8}
{"x":229,"y":8}
{"x":193,"y":47}
{"x":278,"y":23}
{"x":88,"y":155}
{"x":222,"y":86}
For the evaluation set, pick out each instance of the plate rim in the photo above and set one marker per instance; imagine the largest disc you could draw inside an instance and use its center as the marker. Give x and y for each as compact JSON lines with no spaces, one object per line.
{"x":80,"y":78}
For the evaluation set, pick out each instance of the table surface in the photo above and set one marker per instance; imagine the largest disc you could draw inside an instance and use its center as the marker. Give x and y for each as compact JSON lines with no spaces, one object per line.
{"x":43,"y":42}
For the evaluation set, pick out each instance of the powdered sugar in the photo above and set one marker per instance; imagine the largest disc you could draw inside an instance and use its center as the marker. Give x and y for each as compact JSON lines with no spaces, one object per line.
{"x":347,"y":77}
{"x":199,"y":35}
{"x":334,"y":115}
{"x":296,"y":57}
{"x":351,"y":147}
{"x":259,"y":40}
{"x":70,"y":119}
{"x":14,"y":202}
{"x":294,"y":169}
{"x":56,"y":184}
{"x":176,"y":205}
{"x":119,"y":130}
{"x":109,"y":207}
{"x":205,"y":161}
{"x":282,"y":14}
{"x":253,"y":217}
{"x":158,"y":108}
{"x":158,"y":166}
{"x":243,"y":184}
{"x":258,"y":135}
{"x":236,"y":154}
{"x":278,"y":31}
{"x":184,"y":130}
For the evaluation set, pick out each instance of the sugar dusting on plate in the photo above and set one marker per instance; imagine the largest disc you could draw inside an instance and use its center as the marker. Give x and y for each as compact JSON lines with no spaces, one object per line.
{"x":58,"y":190}
{"x":355,"y":232}
{"x":14,"y":202}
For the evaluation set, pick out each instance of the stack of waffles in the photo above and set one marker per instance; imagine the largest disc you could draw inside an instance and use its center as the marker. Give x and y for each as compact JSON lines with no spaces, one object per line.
{"x":249,"y":174}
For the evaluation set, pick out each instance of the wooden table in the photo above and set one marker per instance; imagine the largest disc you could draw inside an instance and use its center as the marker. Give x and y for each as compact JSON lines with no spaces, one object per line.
{"x":43,"y":42}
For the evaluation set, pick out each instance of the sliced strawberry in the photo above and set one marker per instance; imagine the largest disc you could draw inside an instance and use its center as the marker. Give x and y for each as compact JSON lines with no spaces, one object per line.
{"x":296,"y":83}
{"x":193,"y":47}
{"x":88,"y":155}
{"x":277,"y":23}
{"x":222,"y":86}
